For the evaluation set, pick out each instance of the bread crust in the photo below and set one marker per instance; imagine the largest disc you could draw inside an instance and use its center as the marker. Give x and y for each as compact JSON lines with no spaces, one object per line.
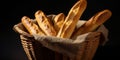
{"x":44,"y":23}
{"x":30,"y":26}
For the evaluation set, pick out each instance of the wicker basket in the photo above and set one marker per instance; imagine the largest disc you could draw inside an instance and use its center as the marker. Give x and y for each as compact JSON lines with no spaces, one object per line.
{"x":44,"y":47}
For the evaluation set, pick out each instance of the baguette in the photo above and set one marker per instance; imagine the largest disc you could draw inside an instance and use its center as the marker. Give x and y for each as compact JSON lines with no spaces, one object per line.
{"x":44,"y":23}
{"x":94,"y":22}
{"x":72,"y":19}
{"x":58,"y":21}
{"x":30,"y":26}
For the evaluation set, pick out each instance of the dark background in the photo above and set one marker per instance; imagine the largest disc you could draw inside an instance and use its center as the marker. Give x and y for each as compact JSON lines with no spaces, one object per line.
{"x":12,"y":11}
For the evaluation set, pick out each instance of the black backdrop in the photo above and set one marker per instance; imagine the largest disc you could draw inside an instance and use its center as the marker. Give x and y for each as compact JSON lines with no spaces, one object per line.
{"x":12,"y":11}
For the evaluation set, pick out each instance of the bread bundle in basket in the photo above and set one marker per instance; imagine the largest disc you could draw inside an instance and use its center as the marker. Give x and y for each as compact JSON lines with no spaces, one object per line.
{"x":60,"y":37}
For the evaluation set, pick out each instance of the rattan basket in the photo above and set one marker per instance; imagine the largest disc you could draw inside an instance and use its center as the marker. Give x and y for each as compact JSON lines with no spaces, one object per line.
{"x":44,"y":47}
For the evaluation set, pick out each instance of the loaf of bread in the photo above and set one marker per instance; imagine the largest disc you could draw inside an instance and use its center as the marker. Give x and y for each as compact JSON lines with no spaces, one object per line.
{"x":72,"y":18}
{"x":58,"y":21}
{"x":94,"y":22}
{"x":44,"y":23}
{"x":30,"y":26}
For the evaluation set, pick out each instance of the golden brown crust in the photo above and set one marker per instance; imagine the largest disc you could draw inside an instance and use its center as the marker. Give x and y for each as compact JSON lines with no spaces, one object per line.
{"x":72,"y":19}
{"x":58,"y":21}
{"x":93,"y":22}
{"x":44,"y":23}
{"x":30,"y":26}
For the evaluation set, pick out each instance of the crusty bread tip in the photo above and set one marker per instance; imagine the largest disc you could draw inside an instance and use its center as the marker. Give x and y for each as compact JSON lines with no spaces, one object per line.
{"x":58,"y":21}
{"x":30,"y":26}
{"x":44,"y":23}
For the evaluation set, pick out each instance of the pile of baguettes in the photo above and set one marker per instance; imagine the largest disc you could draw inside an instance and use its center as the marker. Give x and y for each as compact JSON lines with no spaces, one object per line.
{"x":65,"y":26}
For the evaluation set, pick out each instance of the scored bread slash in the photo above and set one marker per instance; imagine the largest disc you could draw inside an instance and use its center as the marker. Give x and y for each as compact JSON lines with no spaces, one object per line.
{"x":30,"y":26}
{"x":94,"y":22}
{"x":44,"y":23}
{"x":72,"y":18}
{"x":58,"y":21}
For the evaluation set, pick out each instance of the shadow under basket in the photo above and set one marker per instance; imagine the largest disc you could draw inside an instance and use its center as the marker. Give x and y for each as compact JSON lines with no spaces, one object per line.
{"x":83,"y":47}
